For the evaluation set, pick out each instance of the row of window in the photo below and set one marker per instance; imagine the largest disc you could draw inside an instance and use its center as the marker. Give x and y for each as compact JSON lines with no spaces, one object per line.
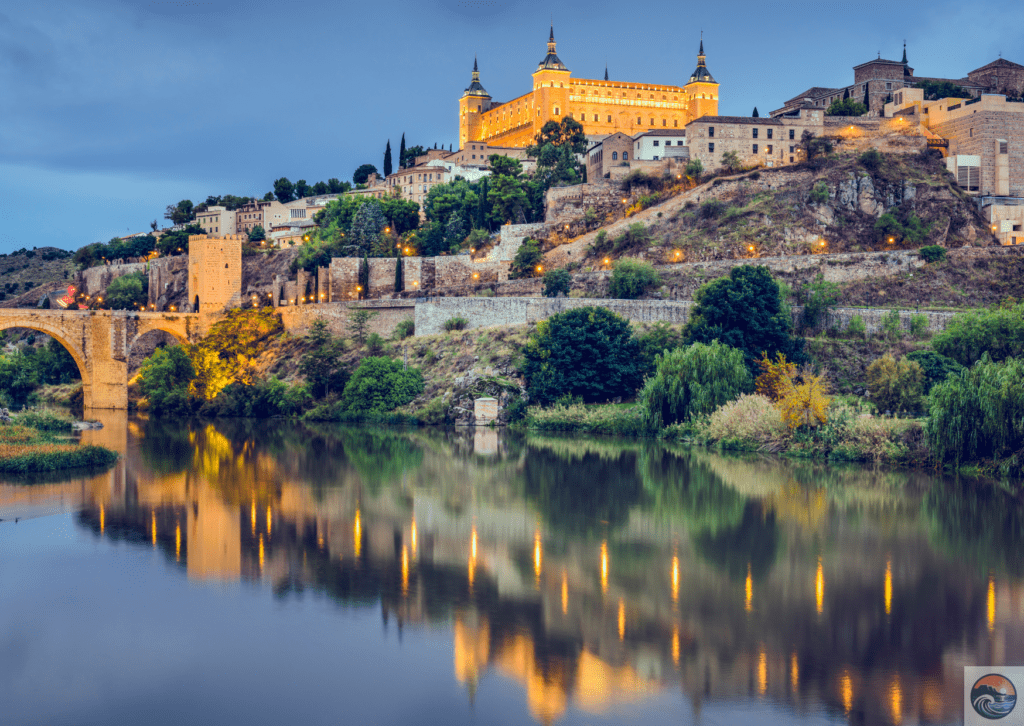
{"x":639,"y":95}
{"x":668,"y":142}
{"x":625,"y":156}
{"x":792,"y":133}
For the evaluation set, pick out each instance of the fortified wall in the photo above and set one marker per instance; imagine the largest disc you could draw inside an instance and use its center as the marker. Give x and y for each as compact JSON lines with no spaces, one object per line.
{"x":93,"y":280}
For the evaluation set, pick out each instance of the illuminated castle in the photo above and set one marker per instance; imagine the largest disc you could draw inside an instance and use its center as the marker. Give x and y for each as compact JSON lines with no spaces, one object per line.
{"x":603,"y":107}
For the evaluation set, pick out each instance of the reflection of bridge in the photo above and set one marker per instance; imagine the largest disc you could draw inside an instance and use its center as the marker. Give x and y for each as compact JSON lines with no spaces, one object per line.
{"x":100,"y":342}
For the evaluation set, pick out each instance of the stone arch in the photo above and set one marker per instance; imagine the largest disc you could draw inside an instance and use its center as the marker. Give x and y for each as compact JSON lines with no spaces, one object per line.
{"x":79,"y":356}
{"x":132,"y":362}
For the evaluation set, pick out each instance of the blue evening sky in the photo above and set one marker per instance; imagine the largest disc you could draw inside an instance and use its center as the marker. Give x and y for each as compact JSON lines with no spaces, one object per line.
{"x":109,"y":111}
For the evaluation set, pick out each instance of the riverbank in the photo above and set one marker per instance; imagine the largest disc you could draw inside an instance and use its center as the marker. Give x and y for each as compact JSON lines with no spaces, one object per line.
{"x":41,"y":442}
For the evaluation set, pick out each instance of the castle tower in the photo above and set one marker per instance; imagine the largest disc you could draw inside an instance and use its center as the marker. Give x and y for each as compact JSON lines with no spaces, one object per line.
{"x":475,"y":100}
{"x":702,"y":89}
{"x":214,"y":272}
{"x":551,"y":86}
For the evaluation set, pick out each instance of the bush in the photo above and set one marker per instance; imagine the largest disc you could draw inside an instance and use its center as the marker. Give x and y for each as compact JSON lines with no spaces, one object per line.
{"x":775,"y":377}
{"x":693,"y":381}
{"x":818,"y":297}
{"x":557,"y":282}
{"x":751,"y":419}
{"x":712,"y":209}
{"x":872,"y":159}
{"x":527,"y":260}
{"x":745,"y":311}
{"x":456,"y":323}
{"x":932,"y":253}
{"x":976,"y":416}
{"x":819,"y":192}
{"x":856,"y":327}
{"x":374,"y":344}
{"x":895,"y":386}
{"x":891,"y":325}
{"x":405,"y":329}
{"x":380,"y":385}
{"x":578,"y":418}
{"x":164,"y":380}
{"x":588,"y":352}
{"x":657,"y":339}
{"x":969,"y":336}
{"x":45,"y":421}
{"x":631,"y":279}
{"x":935,"y":366}
{"x":260,"y":399}
{"x":919,"y":325}
{"x":127,"y":292}
{"x":805,"y":403}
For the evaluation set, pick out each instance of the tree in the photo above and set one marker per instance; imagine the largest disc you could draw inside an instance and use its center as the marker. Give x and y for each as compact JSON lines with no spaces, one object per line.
{"x":180,"y":213}
{"x":359,"y":323}
{"x":368,"y":223}
{"x":364,"y":277}
{"x":335,"y":186}
{"x":556,"y":147}
{"x":176,"y":242}
{"x":588,"y":352}
{"x":895,"y":385}
{"x":527,"y":260}
{"x":284,"y":190}
{"x":387,"y":160}
{"x":454,"y":232}
{"x":269,"y":197}
{"x":693,"y":381}
{"x":934,"y":90}
{"x":320,"y":188}
{"x":399,"y":279}
{"x":846,"y":93}
{"x":321,"y":365}
{"x":302,"y":189}
{"x":818,"y":297}
{"x":745,"y":311}
{"x":755,"y":114}
{"x":164,"y":380}
{"x":813,"y":145}
{"x":362,"y":174}
{"x":694,"y":169}
{"x":380,"y":385}
{"x":153,"y":225}
{"x":401,"y":152}
{"x":936,"y":367}
{"x":257,"y":234}
{"x":631,"y":279}
{"x":731,"y":161}
{"x":127,"y":292}
{"x":557,"y":282}
{"x":846,"y":107}
{"x":998,"y":334}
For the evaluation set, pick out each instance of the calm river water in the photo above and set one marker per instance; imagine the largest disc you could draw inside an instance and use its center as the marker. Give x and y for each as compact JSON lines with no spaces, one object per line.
{"x":244,"y":572}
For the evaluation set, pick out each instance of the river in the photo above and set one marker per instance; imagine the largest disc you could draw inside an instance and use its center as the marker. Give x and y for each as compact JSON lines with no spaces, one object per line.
{"x":267,"y":572}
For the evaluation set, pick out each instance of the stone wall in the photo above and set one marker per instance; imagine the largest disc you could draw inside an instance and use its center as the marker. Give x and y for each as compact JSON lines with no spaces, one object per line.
{"x":215,"y":271}
{"x":387,"y":315}
{"x":511,"y":237}
{"x":94,"y":280}
{"x":168,"y":281}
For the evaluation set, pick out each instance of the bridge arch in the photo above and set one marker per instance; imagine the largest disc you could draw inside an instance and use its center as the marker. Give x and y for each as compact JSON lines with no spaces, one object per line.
{"x":60,"y":335}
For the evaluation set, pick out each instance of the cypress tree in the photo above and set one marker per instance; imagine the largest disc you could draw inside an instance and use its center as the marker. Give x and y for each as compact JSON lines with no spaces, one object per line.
{"x":846,"y":95}
{"x":364,"y":277}
{"x":755,"y":114}
{"x":481,"y":207}
{"x":401,"y":153}
{"x":399,"y":282}
{"x":387,"y":159}
{"x":867,"y":97}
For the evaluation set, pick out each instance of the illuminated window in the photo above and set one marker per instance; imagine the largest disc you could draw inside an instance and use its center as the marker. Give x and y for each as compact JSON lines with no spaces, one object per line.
{"x":639,"y":120}
{"x":557,"y":111}
{"x":609,"y":118}
{"x":652,"y":122}
{"x":664,"y":122}
{"x":675,"y":122}
{"x":768,"y":149}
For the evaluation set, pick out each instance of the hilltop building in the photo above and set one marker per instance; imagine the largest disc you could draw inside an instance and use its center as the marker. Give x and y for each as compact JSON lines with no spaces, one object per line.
{"x":604,"y":107}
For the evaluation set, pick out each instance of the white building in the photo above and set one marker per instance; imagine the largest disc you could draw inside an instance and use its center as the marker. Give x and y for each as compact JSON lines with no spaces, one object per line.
{"x":656,"y":145}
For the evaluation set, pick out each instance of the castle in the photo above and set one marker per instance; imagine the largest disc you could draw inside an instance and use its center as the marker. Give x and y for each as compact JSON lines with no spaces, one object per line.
{"x":604,"y":107}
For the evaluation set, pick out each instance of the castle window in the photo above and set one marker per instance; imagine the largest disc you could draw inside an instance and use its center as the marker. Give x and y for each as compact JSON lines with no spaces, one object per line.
{"x":792,"y":134}
{"x":609,"y":118}
{"x":755,"y":133}
{"x":711,"y":132}
{"x":557,"y":110}
{"x":615,"y":156}
{"x":639,"y":120}
{"x":770,"y":133}
{"x":652,"y":122}
{"x":755,"y":148}
{"x":664,"y":122}
{"x":625,"y":156}
{"x":711,"y":147}
{"x":768,"y":149}
{"x":792,"y":149}
{"x":675,"y":122}
{"x":595,"y":117}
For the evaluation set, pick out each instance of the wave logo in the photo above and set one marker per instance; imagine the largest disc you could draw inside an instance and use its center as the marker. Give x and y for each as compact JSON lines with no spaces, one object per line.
{"x":993,"y":696}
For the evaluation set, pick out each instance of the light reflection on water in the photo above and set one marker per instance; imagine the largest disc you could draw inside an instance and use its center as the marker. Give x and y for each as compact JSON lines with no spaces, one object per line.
{"x":602,"y":576}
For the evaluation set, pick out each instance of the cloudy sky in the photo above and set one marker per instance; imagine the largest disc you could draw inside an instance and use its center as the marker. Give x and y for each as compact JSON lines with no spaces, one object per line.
{"x":109,"y":111}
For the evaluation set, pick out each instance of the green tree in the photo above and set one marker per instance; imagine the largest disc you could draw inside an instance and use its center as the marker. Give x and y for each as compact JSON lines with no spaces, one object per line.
{"x":846,"y":107}
{"x":814,"y":146}
{"x":387,"y":159}
{"x":336,"y":186}
{"x":180,"y":213}
{"x":632,"y":279}
{"x":18,"y":378}
{"x":744,"y":311}
{"x":731,"y":161}
{"x":257,"y":234}
{"x":936,"y":367}
{"x":176,"y":242}
{"x":284,"y":190}
{"x":693,"y":381}
{"x":527,"y":260}
{"x":362,"y":173}
{"x":399,"y":281}
{"x":818,"y":298}
{"x":359,"y":323}
{"x":755,"y":114}
{"x":454,"y":232}
{"x":128,"y":292}
{"x":302,"y":189}
{"x":506,"y":194}
{"x":401,"y":152}
{"x":999,"y":334}
{"x":555,"y":148}
{"x":164,"y":380}
{"x":364,"y":277}
{"x":321,"y":365}
{"x":320,"y":188}
{"x":368,"y":223}
{"x":588,"y":352}
{"x":934,"y":90}
{"x":557,"y":282}
{"x":895,"y":385}
{"x":694,"y":169}
{"x":380,"y":385}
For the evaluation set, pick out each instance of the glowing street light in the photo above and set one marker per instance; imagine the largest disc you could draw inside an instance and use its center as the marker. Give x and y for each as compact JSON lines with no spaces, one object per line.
{"x":540,"y":268}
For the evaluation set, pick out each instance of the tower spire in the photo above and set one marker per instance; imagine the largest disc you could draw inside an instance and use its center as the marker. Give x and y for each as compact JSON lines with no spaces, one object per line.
{"x":606,"y":71}
{"x":475,"y":87}
{"x":904,"y":52}
{"x":701,"y":51}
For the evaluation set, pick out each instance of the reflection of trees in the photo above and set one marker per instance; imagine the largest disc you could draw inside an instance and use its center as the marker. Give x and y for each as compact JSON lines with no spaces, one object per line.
{"x":166,"y":444}
{"x":978,"y":522}
{"x":752,"y":542}
{"x":380,"y":456}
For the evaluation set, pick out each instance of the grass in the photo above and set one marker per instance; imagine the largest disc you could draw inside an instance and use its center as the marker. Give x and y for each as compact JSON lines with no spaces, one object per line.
{"x":32,"y":444}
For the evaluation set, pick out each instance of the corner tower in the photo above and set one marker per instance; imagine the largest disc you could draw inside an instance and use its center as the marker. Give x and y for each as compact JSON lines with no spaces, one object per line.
{"x":475,"y":101}
{"x":551,"y":86}
{"x":701,"y":89}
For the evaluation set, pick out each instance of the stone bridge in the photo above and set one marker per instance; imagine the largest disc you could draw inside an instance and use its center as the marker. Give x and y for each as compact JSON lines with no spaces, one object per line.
{"x":100,"y":342}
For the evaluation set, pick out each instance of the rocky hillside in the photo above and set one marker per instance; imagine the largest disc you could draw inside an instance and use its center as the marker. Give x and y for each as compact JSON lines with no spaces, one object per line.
{"x":27,"y":275}
{"x":848,"y":202}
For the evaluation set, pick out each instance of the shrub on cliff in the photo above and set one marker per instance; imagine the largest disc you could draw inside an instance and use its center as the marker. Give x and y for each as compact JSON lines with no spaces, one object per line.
{"x":557,"y":282}
{"x":693,"y":381}
{"x":164,"y":380}
{"x":932,"y":253}
{"x":527,"y":260}
{"x":588,"y":352}
{"x":380,"y":385}
{"x":998,"y":333}
{"x":631,"y":279}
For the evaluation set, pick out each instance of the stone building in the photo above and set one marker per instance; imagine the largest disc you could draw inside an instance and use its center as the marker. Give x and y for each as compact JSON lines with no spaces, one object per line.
{"x":876,"y":81}
{"x":604,"y":107}
{"x":217,"y":220}
{"x":260,"y":213}
{"x":756,"y":141}
{"x":415,"y":182}
{"x":610,"y":157}
{"x":660,"y":144}
{"x":215,"y":268}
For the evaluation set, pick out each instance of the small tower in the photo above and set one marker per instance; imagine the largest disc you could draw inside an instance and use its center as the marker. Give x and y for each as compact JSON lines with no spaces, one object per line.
{"x":702,"y":89}
{"x":551,"y":86}
{"x":475,"y":100}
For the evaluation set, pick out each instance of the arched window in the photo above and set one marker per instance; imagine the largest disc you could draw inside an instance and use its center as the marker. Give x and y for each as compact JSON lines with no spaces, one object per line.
{"x":625,"y":156}
{"x":615,"y":156}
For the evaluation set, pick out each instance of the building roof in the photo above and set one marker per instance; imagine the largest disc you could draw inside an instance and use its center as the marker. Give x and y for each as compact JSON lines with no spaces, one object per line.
{"x":551,"y":61}
{"x":664,"y":132}
{"x":752,"y":120}
{"x":813,"y":92}
{"x":475,"y":87}
{"x":877,"y":61}
{"x":999,"y":63}
{"x":701,"y":74}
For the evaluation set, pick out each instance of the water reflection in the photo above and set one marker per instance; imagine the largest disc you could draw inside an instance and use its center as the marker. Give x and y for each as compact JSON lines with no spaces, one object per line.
{"x":596,"y":574}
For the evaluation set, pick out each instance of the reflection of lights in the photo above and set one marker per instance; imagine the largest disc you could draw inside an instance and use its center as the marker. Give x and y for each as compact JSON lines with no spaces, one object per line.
{"x":991,"y":601}
{"x":405,"y":571}
{"x":103,"y":519}
{"x":413,"y":537}
{"x":153,"y":516}
{"x":888,"y":587}
{"x":794,"y":672}
{"x":819,"y":588}
{"x":604,"y":566}
{"x":254,"y":517}
{"x":896,"y":699}
{"x":261,"y":553}
{"x":846,"y":691}
{"x":762,"y":672}
{"x":622,"y":618}
{"x":269,"y":522}
{"x":675,"y":578}
{"x":472,"y":543}
{"x":536,"y":556}
{"x":472,"y":558}
{"x":565,"y":593}
{"x":357,"y":534}
{"x":675,"y":644}
{"x":177,"y":543}
{"x":748,"y":601}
